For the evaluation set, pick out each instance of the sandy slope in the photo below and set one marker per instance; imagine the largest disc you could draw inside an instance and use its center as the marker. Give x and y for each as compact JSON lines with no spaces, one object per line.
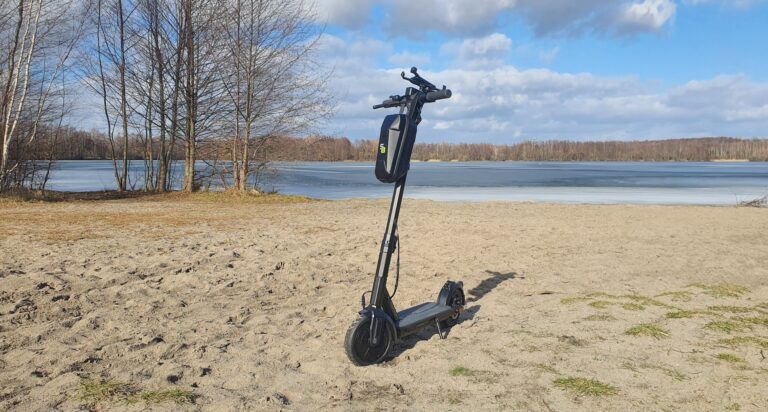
{"x":237,"y":302}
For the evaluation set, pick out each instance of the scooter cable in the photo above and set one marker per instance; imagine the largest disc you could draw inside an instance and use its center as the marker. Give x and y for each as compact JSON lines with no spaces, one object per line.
{"x":397,"y":266}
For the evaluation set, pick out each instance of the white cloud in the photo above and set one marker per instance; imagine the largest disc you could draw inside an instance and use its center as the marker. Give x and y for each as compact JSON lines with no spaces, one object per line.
{"x":647,"y":15}
{"x":480,"y":17}
{"x":618,"y":17}
{"x":488,"y":51}
{"x":347,"y":13}
{"x":739,"y":4}
{"x":452,"y":17}
{"x":505,"y":105}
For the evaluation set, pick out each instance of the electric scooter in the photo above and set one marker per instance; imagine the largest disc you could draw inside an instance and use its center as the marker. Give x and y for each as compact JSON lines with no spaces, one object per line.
{"x":370,"y":339}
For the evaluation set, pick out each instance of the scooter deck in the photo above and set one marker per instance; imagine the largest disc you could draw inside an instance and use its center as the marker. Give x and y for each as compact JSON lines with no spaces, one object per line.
{"x":413,"y":318}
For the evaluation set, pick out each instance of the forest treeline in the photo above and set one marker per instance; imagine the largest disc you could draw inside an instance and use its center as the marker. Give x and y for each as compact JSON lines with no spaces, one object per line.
{"x":694,"y":149}
{"x":80,"y":145}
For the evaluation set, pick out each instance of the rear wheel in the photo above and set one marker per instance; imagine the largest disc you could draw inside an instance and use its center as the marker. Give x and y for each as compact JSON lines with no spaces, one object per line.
{"x":456,"y":301}
{"x":358,"y":344}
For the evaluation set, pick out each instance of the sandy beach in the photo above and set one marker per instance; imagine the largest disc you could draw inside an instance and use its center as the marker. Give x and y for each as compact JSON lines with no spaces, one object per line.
{"x":186,"y":303}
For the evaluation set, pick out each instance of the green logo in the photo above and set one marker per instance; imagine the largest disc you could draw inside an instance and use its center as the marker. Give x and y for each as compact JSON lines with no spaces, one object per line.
{"x":382,"y":149}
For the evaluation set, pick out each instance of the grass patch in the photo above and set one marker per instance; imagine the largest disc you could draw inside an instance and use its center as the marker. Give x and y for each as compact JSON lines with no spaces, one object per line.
{"x":745,"y":341}
{"x":633,"y":306}
{"x":731,"y":309}
{"x":583,"y":386}
{"x":724,"y":326}
{"x":723,"y":290}
{"x":647,"y":329}
{"x":461,"y":371}
{"x":646,"y":301}
{"x":176,"y":396}
{"x":546,"y":368}
{"x":574,"y":299}
{"x":757,"y":320}
{"x":229,"y":197}
{"x":676,"y":296}
{"x":675,"y":374}
{"x":600,"y":304}
{"x":98,"y":392}
{"x":600,"y":317}
{"x":681,"y":314}
{"x":603,"y":295}
{"x":102,"y":392}
{"x":730,"y":358}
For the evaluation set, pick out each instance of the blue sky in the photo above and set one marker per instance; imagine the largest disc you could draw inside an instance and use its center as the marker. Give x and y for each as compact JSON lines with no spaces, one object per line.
{"x":553,"y":69}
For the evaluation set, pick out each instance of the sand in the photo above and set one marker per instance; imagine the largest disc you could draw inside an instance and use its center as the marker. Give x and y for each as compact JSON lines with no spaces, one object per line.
{"x":137,"y":304}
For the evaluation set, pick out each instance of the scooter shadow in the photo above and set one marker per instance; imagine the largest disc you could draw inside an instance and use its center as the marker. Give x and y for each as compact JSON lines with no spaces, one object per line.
{"x":475,"y":294}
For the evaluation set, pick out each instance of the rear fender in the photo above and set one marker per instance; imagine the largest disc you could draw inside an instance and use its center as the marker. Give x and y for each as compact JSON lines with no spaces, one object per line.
{"x":447,"y":291}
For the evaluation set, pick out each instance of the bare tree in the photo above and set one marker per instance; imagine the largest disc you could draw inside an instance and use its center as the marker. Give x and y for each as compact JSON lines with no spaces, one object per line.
{"x":36,"y":39}
{"x":273,"y":84}
{"x":105,"y":72}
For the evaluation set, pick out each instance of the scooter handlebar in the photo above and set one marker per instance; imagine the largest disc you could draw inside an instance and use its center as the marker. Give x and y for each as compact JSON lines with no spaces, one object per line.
{"x":387,"y":103}
{"x":437,"y":95}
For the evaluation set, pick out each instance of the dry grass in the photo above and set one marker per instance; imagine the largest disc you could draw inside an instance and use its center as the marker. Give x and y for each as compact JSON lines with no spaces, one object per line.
{"x":229,"y":197}
{"x":647,"y":329}
{"x":632,"y":306}
{"x":600,"y":304}
{"x":574,"y":299}
{"x":731,"y":309}
{"x":730,"y":358}
{"x":723,"y":290}
{"x":676,"y":296}
{"x":461,"y":371}
{"x":103,"y":393}
{"x":16,"y":197}
{"x":745,"y":341}
{"x":681,"y":314}
{"x":54,"y":224}
{"x":725,"y":326}
{"x":583,"y":386}
{"x":600,"y":317}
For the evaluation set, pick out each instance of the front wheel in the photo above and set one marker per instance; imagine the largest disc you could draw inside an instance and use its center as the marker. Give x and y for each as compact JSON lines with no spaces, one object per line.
{"x":360,"y":350}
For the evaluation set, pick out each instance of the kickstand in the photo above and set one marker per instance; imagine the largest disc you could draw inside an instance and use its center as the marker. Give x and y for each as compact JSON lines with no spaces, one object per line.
{"x":440,"y":331}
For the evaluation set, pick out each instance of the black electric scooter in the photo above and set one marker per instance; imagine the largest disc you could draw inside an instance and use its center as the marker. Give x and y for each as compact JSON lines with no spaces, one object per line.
{"x":370,"y":339}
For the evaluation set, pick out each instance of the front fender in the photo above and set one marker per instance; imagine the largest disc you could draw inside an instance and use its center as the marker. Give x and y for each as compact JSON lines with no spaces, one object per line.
{"x":370,"y":312}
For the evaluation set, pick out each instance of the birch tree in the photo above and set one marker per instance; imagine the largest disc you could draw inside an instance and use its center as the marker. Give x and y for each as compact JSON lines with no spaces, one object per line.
{"x":36,"y":40}
{"x":275,"y":86}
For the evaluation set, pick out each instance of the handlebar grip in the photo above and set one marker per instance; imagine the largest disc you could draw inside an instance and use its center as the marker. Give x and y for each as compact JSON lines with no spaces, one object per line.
{"x":387,"y":103}
{"x":438,"y":95}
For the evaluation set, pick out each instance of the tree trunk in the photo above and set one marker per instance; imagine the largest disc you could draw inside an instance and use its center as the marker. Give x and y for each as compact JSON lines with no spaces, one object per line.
{"x":191,"y":95}
{"x":123,"y":99}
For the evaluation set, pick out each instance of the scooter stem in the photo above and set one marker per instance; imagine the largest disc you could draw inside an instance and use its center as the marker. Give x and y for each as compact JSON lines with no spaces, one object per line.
{"x":379,"y":294}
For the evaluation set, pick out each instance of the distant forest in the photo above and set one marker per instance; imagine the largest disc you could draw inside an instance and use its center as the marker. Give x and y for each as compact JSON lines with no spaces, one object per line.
{"x":76,"y":145}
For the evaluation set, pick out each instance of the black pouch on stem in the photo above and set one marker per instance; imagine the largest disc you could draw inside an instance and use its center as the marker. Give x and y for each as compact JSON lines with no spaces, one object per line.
{"x":393,"y":157}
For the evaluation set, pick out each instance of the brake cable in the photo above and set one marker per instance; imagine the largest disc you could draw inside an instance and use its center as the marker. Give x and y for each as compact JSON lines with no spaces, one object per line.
{"x":397,"y":266}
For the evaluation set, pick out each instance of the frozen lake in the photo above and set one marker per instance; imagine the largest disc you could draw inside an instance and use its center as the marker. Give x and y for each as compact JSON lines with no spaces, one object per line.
{"x":703,"y":183}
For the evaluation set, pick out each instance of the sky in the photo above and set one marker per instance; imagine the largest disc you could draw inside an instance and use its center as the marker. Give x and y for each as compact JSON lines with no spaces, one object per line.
{"x":552,"y":69}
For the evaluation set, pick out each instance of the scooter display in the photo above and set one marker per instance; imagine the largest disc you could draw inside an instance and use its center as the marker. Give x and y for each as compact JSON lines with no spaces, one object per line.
{"x":370,"y":338}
